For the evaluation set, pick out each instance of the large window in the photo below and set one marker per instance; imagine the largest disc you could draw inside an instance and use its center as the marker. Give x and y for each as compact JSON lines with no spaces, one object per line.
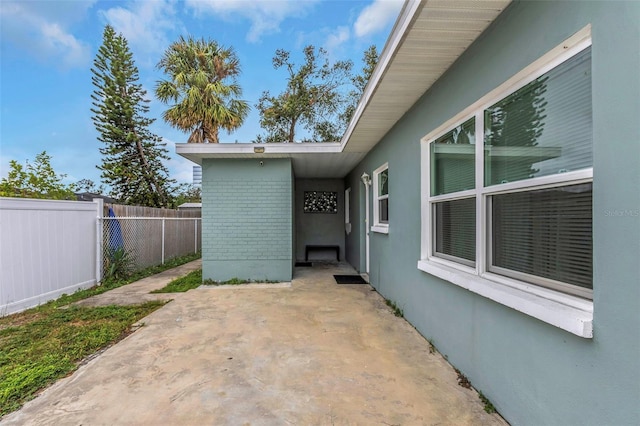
{"x":509,"y":182}
{"x":452,"y":161}
{"x":381,"y":199}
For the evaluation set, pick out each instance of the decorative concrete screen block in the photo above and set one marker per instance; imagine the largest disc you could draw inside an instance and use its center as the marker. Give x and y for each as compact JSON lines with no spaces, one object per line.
{"x":320,"y":202}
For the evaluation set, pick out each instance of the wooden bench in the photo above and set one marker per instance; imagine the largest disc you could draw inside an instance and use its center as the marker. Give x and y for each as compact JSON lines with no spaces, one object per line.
{"x":310,"y":247}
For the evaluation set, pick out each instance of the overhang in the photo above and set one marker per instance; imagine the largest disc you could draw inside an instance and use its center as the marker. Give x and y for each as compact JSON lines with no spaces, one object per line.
{"x":428,"y":37}
{"x":310,"y":160}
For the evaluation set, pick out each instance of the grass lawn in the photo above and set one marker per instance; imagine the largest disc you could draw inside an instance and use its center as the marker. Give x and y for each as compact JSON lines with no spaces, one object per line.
{"x":46,"y":343}
{"x":182,"y":284}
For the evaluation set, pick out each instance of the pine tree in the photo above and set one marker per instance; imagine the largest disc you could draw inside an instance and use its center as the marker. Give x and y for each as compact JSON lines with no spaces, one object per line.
{"x":132,"y":154}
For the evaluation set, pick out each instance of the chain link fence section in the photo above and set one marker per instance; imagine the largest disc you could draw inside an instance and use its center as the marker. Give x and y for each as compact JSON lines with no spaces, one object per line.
{"x":149,"y":241}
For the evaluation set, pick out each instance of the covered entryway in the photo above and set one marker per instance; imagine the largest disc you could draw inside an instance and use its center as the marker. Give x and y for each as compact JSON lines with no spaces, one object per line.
{"x":267,"y":206}
{"x":319,"y":219}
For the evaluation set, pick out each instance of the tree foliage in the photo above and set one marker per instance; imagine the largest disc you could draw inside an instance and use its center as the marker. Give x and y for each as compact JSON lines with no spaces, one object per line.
{"x":202,"y":89}
{"x":313,"y":98}
{"x":517,"y":120}
{"x":87,"y":185}
{"x":36,"y":180}
{"x":359,"y":81}
{"x":132,"y":155}
{"x":187,"y":193}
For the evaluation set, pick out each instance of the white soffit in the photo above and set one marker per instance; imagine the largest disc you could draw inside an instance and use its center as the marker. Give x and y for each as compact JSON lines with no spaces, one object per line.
{"x":429,"y":36}
{"x":310,"y":160}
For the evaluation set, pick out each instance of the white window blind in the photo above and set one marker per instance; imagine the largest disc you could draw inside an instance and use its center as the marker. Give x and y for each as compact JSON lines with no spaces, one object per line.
{"x":455,"y":226}
{"x":544,"y":236}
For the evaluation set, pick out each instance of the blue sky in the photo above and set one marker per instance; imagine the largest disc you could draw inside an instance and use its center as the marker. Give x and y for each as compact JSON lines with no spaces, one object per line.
{"x":47,"y":49}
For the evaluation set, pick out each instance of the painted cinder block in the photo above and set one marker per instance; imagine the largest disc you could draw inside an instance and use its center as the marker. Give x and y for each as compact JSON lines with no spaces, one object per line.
{"x":247,"y":221}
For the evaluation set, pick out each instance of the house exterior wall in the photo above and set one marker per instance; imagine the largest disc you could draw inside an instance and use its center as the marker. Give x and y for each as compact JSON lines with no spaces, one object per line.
{"x":319,"y":228}
{"x":247,"y":219}
{"x":533,"y":372}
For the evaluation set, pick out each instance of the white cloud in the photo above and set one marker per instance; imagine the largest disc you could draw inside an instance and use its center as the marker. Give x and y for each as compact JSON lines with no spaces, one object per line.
{"x":57,"y":40}
{"x":372,"y":19}
{"x":376,"y":17}
{"x":145,"y":25}
{"x":42,"y":30}
{"x":265,"y":16}
{"x":338,"y":37}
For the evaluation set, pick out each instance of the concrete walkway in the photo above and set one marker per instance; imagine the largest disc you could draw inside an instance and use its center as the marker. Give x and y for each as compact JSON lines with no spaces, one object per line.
{"x":315,"y":353}
{"x":139,"y":291}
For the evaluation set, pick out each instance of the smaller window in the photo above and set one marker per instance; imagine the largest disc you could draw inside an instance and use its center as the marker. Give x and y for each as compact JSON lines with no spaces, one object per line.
{"x":381,"y":199}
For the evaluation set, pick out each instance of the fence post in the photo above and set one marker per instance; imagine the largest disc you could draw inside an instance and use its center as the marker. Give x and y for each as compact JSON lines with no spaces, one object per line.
{"x":163,"y":240}
{"x":99,"y":236}
{"x":195,"y":235}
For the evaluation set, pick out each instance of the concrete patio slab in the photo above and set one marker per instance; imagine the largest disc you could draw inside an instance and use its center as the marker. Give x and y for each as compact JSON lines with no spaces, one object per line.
{"x":315,"y":353}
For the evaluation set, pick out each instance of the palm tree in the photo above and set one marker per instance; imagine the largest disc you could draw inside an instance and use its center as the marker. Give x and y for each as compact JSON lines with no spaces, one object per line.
{"x":202,"y":88}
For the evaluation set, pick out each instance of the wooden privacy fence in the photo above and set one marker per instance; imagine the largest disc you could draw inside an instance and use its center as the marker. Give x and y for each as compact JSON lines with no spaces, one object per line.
{"x":150,"y":236}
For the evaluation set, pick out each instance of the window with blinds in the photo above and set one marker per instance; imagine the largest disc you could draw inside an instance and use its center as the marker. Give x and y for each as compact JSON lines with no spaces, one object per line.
{"x":455,"y":230}
{"x":531,"y":192}
{"x":383,"y":196}
{"x":453,"y":160}
{"x":544,"y":236}
{"x":381,"y":199}
{"x":542,"y":129}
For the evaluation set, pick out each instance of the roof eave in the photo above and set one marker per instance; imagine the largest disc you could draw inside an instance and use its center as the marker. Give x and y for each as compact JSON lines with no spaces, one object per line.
{"x":197,"y":151}
{"x":407,"y":15}
{"x":428,"y":38}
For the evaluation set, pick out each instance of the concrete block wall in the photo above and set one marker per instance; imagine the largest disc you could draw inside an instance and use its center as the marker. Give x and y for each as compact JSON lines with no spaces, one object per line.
{"x":247,"y":219}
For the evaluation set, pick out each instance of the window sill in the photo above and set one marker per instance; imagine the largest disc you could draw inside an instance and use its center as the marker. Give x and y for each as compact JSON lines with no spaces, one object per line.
{"x":381,"y":229}
{"x":566,"y":312}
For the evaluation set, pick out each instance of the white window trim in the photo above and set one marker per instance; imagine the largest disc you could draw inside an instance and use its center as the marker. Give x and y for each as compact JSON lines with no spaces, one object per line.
{"x":382,"y":228}
{"x":568,"y":312}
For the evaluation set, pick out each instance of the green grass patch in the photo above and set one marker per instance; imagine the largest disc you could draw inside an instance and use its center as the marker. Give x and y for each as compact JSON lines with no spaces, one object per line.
{"x":237,"y":281}
{"x":42,"y":345}
{"x":192,"y":280}
{"x":397,"y":311}
{"x":488,"y":406}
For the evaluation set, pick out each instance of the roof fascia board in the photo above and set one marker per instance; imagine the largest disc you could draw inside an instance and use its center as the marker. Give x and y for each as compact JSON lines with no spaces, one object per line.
{"x":410,"y":11}
{"x":247,"y":149}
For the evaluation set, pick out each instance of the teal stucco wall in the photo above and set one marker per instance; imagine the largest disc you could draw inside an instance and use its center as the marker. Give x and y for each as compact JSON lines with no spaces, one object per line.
{"x":247,"y":221}
{"x":533,"y":372}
